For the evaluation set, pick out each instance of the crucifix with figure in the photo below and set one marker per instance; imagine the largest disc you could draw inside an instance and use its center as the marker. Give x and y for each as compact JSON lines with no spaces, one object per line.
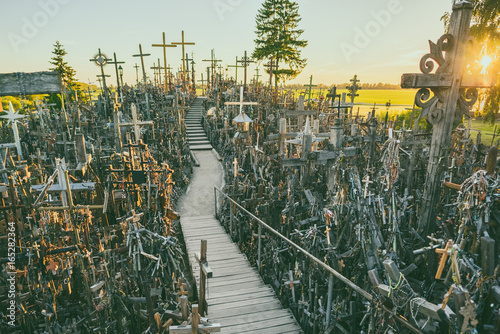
{"x":164,"y":45}
{"x":183,"y":43}
{"x":454,"y":92}
{"x":142,"y":55}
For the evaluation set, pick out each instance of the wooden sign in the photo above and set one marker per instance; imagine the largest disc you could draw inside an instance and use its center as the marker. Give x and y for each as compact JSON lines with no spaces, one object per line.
{"x":21,"y":83}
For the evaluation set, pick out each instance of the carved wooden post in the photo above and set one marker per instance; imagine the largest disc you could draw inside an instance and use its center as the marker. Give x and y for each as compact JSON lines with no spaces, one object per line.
{"x":453,"y":89}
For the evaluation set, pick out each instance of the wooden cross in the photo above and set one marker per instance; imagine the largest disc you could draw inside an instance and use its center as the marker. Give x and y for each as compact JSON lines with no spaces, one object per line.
{"x":310,"y":89}
{"x":195,"y":327}
{"x":271,"y":66}
{"x":444,"y":256}
{"x":257,"y":76}
{"x":183,"y":43}
{"x":142,"y":55}
{"x":246,"y":62}
{"x":236,"y":66}
{"x":367,"y":182}
{"x":156,"y":68}
{"x":116,"y":63}
{"x":205,"y":273}
{"x":292,"y":283}
{"x":235,"y":164}
{"x":135,"y":123}
{"x":353,"y":89}
{"x":213,"y":62}
{"x":164,"y":45}
{"x":452,"y":87}
{"x":203,"y":86}
{"x":136,"y":73}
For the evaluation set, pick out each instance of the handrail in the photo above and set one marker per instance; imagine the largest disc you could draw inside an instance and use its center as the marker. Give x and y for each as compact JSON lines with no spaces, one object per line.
{"x":309,"y":255}
{"x":332,"y":271}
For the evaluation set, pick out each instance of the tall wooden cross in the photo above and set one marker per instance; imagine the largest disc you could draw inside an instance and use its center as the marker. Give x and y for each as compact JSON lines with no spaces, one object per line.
{"x":183,"y":43}
{"x":101,"y":60}
{"x":116,"y":63}
{"x":213,"y":62}
{"x":257,"y":75}
{"x":236,"y":66}
{"x":271,"y":66}
{"x":142,"y":55}
{"x":310,"y":89}
{"x":202,"y":86}
{"x":245,"y":61}
{"x":156,"y":71}
{"x":164,"y":45}
{"x":187,"y":67}
{"x":136,"y":73}
{"x":454,"y":93}
{"x":353,"y":90}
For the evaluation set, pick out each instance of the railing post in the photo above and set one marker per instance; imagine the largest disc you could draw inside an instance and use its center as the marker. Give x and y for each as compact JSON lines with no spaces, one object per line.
{"x":231,"y":218}
{"x":215,"y":203}
{"x":260,"y":241}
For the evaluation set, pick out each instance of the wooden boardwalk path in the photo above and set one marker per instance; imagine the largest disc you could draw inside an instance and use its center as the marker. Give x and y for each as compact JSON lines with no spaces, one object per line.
{"x":236,"y":295}
{"x":197,"y":137}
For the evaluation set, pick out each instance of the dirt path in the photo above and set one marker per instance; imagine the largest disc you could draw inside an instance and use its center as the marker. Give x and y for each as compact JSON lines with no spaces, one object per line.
{"x":199,"y":197}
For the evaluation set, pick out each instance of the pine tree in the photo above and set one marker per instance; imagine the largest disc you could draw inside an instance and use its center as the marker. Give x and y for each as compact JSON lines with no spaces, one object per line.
{"x":278,"y":37}
{"x":67,"y":72}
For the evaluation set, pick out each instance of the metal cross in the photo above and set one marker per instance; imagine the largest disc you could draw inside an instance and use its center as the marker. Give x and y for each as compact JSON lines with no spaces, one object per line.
{"x":310,"y":89}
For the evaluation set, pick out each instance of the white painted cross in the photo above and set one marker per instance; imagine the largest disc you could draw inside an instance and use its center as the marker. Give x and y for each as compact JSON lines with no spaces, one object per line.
{"x":135,"y":123}
{"x":12,"y":116}
{"x":241,"y":118}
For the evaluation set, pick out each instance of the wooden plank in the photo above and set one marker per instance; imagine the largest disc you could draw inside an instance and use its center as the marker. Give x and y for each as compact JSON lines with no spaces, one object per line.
{"x":256,"y":325}
{"x":290,"y":328}
{"x":21,"y":83}
{"x":261,"y":300}
{"x":229,"y":281}
{"x":215,"y":302}
{"x":257,"y":317}
{"x":237,"y":292}
{"x":232,"y":287}
{"x":222,"y":314}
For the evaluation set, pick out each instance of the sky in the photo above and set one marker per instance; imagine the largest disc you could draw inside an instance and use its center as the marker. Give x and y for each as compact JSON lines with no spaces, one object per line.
{"x":376,"y":39}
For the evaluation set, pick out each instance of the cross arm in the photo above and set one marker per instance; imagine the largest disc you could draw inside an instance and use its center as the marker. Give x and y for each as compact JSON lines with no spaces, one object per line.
{"x":422,"y":80}
{"x":204,"y":266}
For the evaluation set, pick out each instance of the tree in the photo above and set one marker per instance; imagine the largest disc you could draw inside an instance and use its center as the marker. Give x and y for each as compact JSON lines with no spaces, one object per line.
{"x":67,"y":74}
{"x":278,"y":37}
{"x":486,"y":29}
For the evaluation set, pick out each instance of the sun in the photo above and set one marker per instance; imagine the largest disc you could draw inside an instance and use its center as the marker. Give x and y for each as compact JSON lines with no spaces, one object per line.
{"x":485,"y":62}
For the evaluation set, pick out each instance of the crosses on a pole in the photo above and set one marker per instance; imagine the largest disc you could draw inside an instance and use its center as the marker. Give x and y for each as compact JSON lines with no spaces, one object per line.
{"x":271,"y":67}
{"x":183,"y":43}
{"x":213,"y":63}
{"x":245,"y":61}
{"x":236,"y":66}
{"x":353,"y":89}
{"x":454,"y":93}
{"x":164,"y":45}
